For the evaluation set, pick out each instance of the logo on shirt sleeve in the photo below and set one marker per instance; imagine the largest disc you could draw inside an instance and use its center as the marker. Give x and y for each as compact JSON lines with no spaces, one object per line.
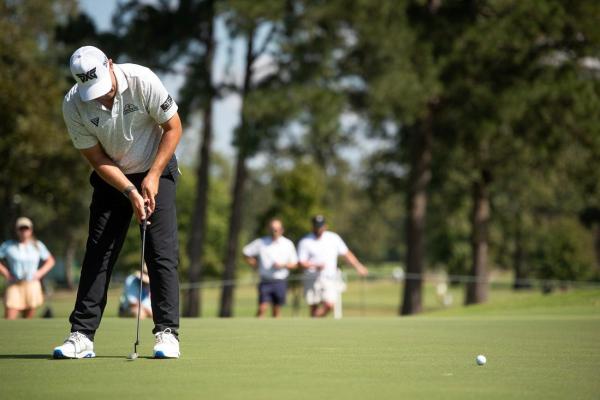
{"x":95,"y":121}
{"x":167,"y":104}
{"x":88,"y":76}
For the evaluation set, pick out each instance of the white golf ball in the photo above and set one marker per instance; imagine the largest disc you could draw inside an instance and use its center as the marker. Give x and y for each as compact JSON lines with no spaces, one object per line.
{"x":481,"y":360}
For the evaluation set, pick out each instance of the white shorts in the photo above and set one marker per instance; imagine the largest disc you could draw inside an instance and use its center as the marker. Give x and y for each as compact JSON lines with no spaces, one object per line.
{"x":321,"y":290}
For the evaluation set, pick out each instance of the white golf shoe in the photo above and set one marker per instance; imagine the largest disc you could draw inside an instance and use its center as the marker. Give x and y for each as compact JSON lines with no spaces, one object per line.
{"x":166,"y":345}
{"x":77,"y":345}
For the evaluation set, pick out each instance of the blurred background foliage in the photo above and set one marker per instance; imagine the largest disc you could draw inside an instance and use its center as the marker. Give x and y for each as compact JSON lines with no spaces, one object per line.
{"x":441,"y":135}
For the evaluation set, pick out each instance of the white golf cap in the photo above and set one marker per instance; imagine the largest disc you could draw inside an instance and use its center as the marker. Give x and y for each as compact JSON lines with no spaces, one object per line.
{"x":89,"y":66}
{"x":24,"y":222}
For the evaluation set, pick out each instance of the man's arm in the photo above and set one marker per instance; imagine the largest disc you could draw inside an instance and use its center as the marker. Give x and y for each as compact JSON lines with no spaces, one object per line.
{"x":292,"y":257}
{"x":352,"y":260}
{"x":291,"y":265}
{"x":252,"y":261}
{"x":166,"y":148}
{"x":112,"y":174}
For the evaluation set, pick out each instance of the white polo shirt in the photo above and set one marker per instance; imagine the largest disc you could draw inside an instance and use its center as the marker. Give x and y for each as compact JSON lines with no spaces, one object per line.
{"x":268,"y":252}
{"x":130,"y":132}
{"x":323,"y":250}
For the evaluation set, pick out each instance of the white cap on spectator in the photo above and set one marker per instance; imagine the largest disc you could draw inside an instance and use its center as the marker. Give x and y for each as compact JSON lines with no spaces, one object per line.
{"x":24,"y":222}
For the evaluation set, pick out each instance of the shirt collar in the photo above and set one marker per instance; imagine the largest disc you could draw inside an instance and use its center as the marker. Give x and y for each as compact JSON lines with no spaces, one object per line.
{"x":122,"y":84}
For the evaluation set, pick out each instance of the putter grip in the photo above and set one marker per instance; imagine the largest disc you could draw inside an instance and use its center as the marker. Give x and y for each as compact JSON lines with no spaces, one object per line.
{"x":145,"y":220}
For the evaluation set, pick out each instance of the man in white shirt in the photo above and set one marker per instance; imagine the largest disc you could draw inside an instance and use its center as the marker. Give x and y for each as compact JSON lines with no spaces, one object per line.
{"x":125,"y":123}
{"x":318,"y":254}
{"x":273,"y":256}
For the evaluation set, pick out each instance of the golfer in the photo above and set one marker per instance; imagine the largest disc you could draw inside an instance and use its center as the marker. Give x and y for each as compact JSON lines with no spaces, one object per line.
{"x":24,"y":262}
{"x":318,"y":255}
{"x":273,"y":256}
{"x":125,"y":123}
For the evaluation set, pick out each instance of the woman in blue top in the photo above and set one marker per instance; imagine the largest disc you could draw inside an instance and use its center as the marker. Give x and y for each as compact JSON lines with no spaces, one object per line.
{"x":19,"y":262}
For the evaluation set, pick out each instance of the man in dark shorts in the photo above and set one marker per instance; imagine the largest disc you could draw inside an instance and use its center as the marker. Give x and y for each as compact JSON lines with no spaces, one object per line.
{"x":273,"y":256}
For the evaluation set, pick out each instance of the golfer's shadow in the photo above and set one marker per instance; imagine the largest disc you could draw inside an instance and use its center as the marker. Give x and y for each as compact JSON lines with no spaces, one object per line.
{"x":25,"y":356}
{"x":40,"y":357}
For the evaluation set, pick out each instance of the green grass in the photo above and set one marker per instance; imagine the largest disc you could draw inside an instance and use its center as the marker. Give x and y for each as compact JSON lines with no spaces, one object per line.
{"x":379,"y":298}
{"x":538,"y":347}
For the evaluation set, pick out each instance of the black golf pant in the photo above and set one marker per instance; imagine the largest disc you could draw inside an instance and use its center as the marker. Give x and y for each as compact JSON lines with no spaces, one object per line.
{"x":110,"y":216}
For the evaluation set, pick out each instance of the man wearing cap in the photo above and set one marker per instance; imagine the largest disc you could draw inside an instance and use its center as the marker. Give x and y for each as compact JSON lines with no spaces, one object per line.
{"x":273,"y":256}
{"x":318,"y":253}
{"x":125,"y":123}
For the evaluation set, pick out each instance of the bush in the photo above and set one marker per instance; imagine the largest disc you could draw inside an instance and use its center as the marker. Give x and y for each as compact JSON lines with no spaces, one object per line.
{"x":563,"y":251}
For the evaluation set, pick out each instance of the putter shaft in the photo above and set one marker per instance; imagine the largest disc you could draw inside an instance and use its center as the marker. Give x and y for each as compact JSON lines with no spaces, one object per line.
{"x":137,"y":331}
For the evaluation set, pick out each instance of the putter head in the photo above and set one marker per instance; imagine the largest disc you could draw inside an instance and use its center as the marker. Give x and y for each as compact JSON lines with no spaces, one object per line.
{"x":132,"y":356}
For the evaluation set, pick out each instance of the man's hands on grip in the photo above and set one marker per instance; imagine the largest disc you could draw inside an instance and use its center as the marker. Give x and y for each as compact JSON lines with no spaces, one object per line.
{"x":137,"y":203}
{"x":150,"y":190}
{"x":145,"y":198}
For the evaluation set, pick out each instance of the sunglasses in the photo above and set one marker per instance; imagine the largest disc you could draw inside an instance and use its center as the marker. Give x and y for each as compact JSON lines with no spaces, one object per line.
{"x":23,"y":228}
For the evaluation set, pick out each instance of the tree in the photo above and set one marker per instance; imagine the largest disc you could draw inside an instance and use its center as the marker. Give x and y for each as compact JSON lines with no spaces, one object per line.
{"x":34,"y":147}
{"x":400,"y":98}
{"x":506,"y":95}
{"x":181,"y":36}
{"x":258,"y":123}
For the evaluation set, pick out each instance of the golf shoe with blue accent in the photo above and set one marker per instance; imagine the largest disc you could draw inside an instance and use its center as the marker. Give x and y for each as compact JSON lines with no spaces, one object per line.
{"x":77,"y":345}
{"x":166,"y":345}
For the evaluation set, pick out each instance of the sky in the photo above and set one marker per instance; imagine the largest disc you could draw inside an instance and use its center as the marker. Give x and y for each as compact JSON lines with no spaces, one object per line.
{"x":226,"y":110}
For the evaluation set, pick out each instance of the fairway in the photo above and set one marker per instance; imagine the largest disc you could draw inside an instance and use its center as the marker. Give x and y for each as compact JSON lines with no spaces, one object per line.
{"x":555,"y":356}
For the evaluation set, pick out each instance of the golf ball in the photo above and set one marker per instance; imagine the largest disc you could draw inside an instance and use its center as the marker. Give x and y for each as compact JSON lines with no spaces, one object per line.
{"x":480,"y":359}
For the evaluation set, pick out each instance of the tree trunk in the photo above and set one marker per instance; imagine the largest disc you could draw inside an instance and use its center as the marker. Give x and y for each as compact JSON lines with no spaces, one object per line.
{"x":235,"y":218}
{"x":69,"y":262}
{"x":521,"y":275}
{"x":477,"y":288}
{"x":420,"y":176}
{"x":235,"y":226}
{"x":9,"y":212}
{"x":195,"y":247}
{"x":596,"y":233}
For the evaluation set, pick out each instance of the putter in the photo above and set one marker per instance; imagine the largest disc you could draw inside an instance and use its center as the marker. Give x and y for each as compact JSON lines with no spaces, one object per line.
{"x":134,"y":355}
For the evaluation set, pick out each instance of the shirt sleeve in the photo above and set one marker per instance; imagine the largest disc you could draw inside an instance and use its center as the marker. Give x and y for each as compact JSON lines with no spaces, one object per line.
{"x":303,"y":251}
{"x":159,"y":103}
{"x":252,"y":249}
{"x":341,"y":246}
{"x":3,"y":250}
{"x":43,"y":250}
{"x":293,"y":256}
{"x":80,"y":136}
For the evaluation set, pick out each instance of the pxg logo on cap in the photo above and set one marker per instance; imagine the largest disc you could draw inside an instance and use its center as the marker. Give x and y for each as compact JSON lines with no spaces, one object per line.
{"x":89,"y":66}
{"x":91,"y":74}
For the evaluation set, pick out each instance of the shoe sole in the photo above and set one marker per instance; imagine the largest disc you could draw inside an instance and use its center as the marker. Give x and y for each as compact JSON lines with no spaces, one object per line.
{"x":58,"y":355}
{"x":162,"y":355}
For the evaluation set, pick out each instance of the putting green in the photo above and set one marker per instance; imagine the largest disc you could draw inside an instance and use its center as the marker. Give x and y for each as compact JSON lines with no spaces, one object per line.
{"x":529,"y":356}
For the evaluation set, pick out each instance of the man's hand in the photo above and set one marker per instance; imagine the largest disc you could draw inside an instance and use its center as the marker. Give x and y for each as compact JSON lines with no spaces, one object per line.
{"x":362,"y":270}
{"x":137,"y":203}
{"x":150,"y":190}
